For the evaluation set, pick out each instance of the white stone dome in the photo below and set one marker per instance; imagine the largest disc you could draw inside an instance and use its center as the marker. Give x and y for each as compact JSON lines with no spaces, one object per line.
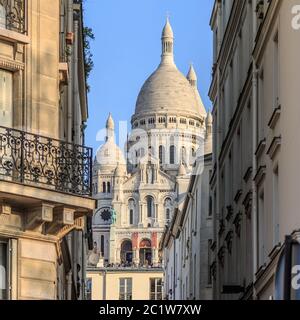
{"x":167,"y":90}
{"x":110,"y":155}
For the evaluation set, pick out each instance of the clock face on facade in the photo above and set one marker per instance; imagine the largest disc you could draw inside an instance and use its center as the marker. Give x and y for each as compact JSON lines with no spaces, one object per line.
{"x":106,"y":215}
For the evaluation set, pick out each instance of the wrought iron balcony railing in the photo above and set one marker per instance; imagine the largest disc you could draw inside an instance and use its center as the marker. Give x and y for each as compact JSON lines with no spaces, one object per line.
{"x":45,"y":162}
{"x":12,"y":15}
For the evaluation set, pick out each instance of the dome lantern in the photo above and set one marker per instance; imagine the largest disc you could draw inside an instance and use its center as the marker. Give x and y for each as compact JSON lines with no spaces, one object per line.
{"x":167,"y":39}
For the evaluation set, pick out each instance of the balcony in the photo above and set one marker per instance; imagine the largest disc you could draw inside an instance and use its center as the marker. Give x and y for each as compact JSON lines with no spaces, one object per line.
{"x":43,"y":162}
{"x":12,"y":15}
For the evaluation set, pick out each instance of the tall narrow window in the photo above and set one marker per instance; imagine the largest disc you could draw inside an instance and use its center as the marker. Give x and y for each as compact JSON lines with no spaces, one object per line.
{"x":102,"y":245}
{"x":276,"y":71}
{"x":2,"y":17}
{"x":156,"y":289}
{"x":172,"y":154}
{"x":3,"y":270}
{"x":210,"y":207}
{"x":168,"y":215}
{"x":108,"y":187}
{"x":104,"y":187}
{"x":261,"y":228}
{"x":276,"y":206}
{"x":168,"y":208}
{"x":150,"y":207}
{"x":6,"y":94}
{"x":131,"y":216}
{"x":261,"y":126}
{"x":131,"y":208}
{"x":125,"y":289}
{"x":161,"y":154}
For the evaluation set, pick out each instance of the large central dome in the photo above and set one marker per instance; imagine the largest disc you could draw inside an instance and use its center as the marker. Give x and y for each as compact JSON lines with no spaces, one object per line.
{"x":167,"y":90}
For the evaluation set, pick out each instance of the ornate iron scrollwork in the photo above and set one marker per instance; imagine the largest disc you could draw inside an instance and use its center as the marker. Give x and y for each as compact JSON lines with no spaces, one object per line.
{"x":32,"y":159}
{"x":12,"y":15}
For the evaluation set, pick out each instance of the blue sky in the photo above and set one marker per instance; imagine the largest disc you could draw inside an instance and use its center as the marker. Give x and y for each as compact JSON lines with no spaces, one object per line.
{"x":127,"y":50}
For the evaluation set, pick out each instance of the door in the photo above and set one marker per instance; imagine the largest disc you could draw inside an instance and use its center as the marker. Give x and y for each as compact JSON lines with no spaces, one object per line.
{"x":6,"y":98}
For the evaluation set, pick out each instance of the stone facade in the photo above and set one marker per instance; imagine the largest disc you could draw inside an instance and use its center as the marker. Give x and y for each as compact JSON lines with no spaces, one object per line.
{"x":43,"y":211}
{"x":185,"y":244}
{"x":255,"y":154}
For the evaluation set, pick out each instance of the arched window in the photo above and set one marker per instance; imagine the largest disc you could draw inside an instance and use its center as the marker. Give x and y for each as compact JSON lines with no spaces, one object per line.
{"x":104,"y":187}
{"x":131,"y":210}
{"x":108,"y":187}
{"x":192,"y":156}
{"x":126,"y":252}
{"x":150,"y":207}
{"x":2,"y":17}
{"x":161,"y":154}
{"x":172,"y":154}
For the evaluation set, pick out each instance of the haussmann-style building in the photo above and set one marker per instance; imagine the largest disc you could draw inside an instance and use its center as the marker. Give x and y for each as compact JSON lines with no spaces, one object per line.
{"x":255,"y":179}
{"x":45,"y":172}
{"x":185,"y":244}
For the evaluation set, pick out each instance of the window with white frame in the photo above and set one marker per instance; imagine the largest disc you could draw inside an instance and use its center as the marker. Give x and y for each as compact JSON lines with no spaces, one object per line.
{"x":6,"y":98}
{"x":156,"y":289}
{"x":125,"y":289}
{"x":2,"y":17}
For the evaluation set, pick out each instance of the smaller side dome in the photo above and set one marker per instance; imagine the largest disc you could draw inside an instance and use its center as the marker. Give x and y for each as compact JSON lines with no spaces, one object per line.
{"x":191,"y":76}
{"x":209,"y":119}
{"x":109,"y":154}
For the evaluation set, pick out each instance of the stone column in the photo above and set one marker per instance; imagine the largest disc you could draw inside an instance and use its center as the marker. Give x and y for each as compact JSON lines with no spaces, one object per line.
{"x":156,"y":215}
{"x":155,"y":257}
{"x":118,"y":255}
{"x":141,"y":216}
{"x":136,"y":256}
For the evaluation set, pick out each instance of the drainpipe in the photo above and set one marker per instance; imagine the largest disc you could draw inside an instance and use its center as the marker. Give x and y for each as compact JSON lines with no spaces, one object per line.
{"x":70,"y":63}
{"x":254,"y":162}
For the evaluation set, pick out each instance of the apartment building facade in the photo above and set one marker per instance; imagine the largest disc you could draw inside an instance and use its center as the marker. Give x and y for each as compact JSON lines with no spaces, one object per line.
{"x":45,"y":171}
{"x":255,"y":174}
{"x":186,"y":242}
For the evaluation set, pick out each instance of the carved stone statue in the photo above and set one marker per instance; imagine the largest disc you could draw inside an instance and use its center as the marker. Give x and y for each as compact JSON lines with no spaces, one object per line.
{"x":149,"y":174}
